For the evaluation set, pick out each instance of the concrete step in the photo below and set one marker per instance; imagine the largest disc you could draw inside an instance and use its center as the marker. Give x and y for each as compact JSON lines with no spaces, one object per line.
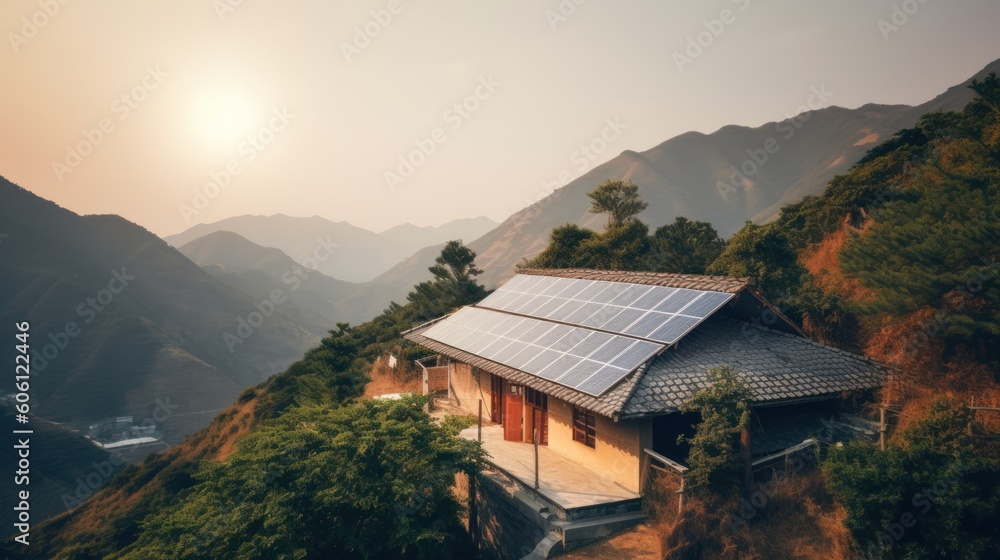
{"x":585,"y":531}
{"x":546,"y":548}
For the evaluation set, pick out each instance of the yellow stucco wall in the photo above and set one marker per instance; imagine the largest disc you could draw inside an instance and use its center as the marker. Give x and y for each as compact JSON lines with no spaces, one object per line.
{"x":467,"y":392}
{"x":618,"y":450}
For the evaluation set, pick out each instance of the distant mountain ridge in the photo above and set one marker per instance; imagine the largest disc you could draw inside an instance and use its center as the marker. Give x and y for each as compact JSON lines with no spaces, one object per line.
{"x":120,"y":319}
{"x":695,"y":175}
{"x":350,"y":253}
{"x":316,"y":301}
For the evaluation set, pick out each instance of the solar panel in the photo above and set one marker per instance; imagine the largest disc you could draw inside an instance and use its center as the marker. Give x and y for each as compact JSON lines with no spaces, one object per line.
{"x":648,"y":312}
{"x":548,"y":350}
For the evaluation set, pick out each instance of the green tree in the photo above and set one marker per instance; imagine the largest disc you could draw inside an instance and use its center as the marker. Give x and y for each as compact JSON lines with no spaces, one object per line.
{"x":685,"y":246}
{"x":619,"y":200}
{"x":371,"y":480}
{"x":454,"y":283}
{"x":761,"y":251}
{"x":623,"y":247}
{"x":714,"y":456}
{"x":934,"y":495}
{"x":564,"y":248}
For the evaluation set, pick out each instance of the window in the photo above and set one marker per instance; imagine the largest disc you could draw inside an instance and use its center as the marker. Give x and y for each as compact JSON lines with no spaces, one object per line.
{"x":584,"y":427}
{"x":537,"y":399}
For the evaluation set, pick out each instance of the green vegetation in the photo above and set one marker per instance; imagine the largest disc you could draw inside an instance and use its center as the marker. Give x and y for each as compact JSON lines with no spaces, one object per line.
{"x":714,"y":457}
{"x":683,"y":246}
{"x":370,"y":480}
{"x":933,"y":496}
{"x":619,"y":200}
{"x":924,"y":220}
{"x":320,"y":475}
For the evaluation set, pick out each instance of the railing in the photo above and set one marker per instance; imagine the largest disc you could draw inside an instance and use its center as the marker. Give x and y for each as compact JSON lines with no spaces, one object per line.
{"x":671,"y":467}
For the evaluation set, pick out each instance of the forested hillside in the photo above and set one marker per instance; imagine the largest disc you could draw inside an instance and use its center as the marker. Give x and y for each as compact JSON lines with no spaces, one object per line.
{"x":297,"y":467}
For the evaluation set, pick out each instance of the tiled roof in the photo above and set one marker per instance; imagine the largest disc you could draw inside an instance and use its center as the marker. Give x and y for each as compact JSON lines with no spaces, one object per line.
{"x":726,"y":284}
{"x":776,"y":366}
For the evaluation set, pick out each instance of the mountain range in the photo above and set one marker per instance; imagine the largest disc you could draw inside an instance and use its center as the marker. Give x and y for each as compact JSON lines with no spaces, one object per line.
{"x":338,"y":249}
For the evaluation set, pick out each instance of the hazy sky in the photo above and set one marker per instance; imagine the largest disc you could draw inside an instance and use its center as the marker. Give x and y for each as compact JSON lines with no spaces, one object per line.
{"x":357,"y":86}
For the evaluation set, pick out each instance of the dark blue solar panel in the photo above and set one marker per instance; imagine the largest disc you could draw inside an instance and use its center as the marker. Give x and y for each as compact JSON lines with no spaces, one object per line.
{"x":556,"y":286}
{"x":548,"y":307}
{"x":630,"y":295}
{"x":579,"y":373}
{"x":532,"y":333}
{"x":648,"y":323}
{"x":541,"y":361}
{"x":601,"y":381}
{"x":674,"y":329}
{"x":592,"y":290}
{"x":565,"y":311}
{"x":612,"y":349}
{"x":610,"y":292}
{"x":653,"y":297}
{"x":706,"y":304}
{"x":533,"y":305}
{"x":602,"y":316}
{"x":507,"y":325}
{"x":519,"y":360}
{"x":586,"y":310}
{"x":550,"y":337}
{"x":679,"y":299}
{"x":638,"y":353}
{"x":620,"y":321}
{"x":504,"y":356}
{"x":574,"y":337}
{"x":559,"y":367}
{"x":495,"y":348}
{"x":573,"y":289}
{"x":588,"y":345}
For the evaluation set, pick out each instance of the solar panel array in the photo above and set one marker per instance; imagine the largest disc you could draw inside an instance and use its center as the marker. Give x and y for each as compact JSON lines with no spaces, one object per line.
{"x":580,"y":358}
{"x":584,"y":334}
{"x":656,"y":313}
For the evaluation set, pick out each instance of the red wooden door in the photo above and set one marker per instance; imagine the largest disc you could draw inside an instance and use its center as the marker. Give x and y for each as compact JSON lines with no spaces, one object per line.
{"x":540,"y":422}
{"x":512,"y":415}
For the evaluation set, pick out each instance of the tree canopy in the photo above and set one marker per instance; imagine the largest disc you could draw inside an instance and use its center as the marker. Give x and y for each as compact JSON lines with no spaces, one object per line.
{"x":620,"y":200}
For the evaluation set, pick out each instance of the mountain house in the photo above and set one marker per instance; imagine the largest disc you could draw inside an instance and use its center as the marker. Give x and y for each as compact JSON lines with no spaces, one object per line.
{"x":594,"y":365}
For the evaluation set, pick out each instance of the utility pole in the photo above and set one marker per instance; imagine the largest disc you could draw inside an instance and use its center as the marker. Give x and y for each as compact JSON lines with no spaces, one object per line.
{"x":881,"y":428}
{"x":535,"y":439}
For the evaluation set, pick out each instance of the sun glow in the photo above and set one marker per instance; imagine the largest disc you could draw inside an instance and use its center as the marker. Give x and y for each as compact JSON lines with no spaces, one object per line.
{"x":219,"y":121}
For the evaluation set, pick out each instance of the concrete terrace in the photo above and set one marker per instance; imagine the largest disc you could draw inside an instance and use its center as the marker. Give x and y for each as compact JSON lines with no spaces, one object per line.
{"x":561,"y":481}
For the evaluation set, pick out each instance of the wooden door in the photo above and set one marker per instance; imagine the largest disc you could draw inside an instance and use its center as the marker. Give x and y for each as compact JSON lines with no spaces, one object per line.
{"x":512,"y":414}
{"x":496,"y":399}
{"x":540,"y":422}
